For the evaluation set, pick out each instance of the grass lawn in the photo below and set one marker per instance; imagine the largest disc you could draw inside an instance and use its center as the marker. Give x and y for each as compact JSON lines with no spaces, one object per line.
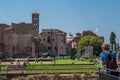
{"x":69,"y":61}
{"x":62,"y":66}
{"x":3,"y":69}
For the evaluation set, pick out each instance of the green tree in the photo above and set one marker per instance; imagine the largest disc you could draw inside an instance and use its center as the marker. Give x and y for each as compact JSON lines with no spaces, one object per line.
{"x":112,"y":38}
{"x":90,"y":41}
{"x":72,"y":52}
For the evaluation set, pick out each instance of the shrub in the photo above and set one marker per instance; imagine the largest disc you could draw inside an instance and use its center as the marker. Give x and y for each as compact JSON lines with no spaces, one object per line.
{"x":40,"y":76}
{"x":30,"y":78}
{"x":7,"y":60}
{"x":91,"y":60}
{"x":1,"y":77}
{"x":20,"y":78}
{"x":78,"y":76}
{"x":56,"y":74}
{"x":87,"y":73}
{"x":40,"y":59}
{"x":85,"y":58}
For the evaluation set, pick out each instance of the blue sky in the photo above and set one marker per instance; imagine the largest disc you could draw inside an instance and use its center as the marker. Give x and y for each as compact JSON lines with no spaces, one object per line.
{"x":71,"y":16}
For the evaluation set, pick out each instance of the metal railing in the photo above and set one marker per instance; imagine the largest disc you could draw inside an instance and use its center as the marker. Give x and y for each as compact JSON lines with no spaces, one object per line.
{"x":114,"y":76}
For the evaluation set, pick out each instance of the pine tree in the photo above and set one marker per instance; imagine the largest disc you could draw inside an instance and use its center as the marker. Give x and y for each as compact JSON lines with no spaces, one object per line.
{"x":112,"y":38}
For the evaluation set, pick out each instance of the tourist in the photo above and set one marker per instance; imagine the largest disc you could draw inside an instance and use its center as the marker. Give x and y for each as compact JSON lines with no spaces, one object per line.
{"x":24,"y":63}
{"x":108,"y":59}
{"x":18,"y":63}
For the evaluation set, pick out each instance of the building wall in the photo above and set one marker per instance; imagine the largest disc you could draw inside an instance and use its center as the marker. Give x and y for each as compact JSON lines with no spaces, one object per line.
{"x":23,"y":28}
{"x":61,"y":44}
{"x":5,"y":39}
{"x":8,"y":41}
{"x":2,"y":30}
{"x":90,"y":33}
{"x":18,"y":39}
{"x":22,"y":38}
{"x":22,"y":43}
{"x":55,"y":40}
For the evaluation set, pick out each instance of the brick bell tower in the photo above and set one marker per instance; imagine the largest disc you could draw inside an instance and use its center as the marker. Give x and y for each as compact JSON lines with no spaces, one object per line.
{"x":35,"y":21}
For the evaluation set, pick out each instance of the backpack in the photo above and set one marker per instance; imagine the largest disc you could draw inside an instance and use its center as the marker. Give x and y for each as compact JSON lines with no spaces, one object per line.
{"x":111,"y":62}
